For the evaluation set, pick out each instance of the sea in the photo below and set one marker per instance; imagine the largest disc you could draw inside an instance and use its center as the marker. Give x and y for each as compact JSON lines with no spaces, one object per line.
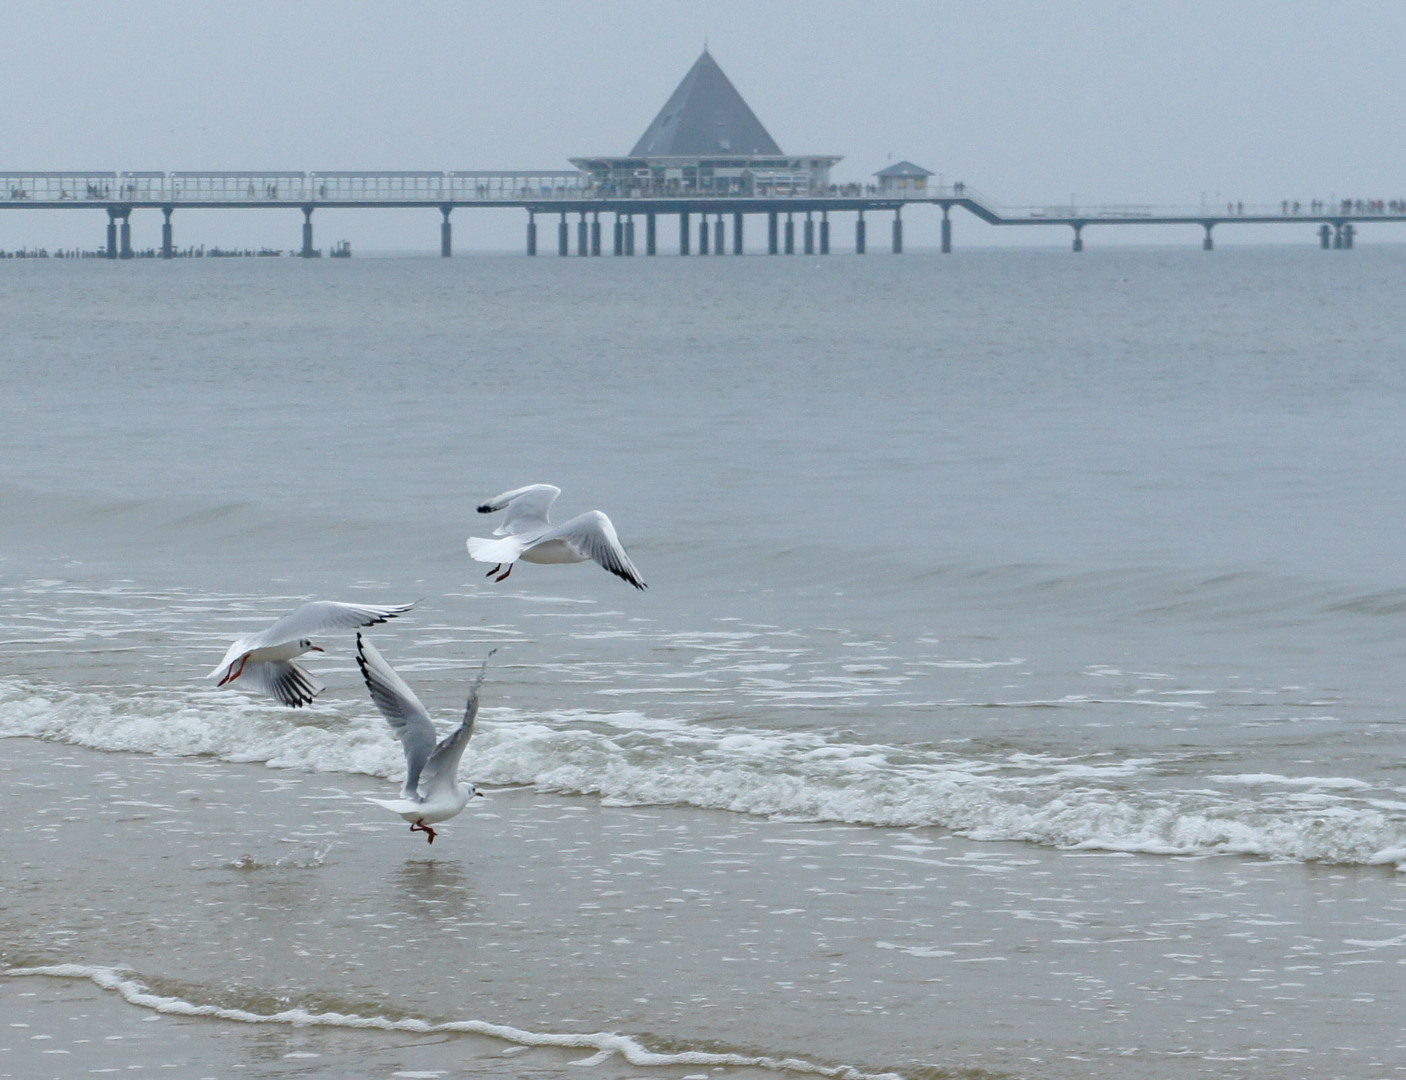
{"x":1018,"y":692}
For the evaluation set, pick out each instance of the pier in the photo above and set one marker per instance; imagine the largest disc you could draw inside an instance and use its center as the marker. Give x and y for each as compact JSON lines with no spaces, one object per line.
{"x":705,"y":159}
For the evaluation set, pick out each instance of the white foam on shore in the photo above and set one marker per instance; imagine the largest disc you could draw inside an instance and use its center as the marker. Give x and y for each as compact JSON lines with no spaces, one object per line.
{"x":1093,"y":802}
{"x":605,"y":1044}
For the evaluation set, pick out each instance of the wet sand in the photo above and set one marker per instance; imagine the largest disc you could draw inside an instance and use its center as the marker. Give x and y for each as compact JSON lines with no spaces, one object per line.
{"x":261,"y":890}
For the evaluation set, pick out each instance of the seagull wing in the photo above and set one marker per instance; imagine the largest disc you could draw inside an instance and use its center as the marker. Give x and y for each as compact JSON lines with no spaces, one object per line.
{"x":319,"y":616}
{"x":402,"y":710}
{"x":527,"y":508}
{"x":443,"y":765}
{"x":592,"y":536}
{"x":286,"y":680}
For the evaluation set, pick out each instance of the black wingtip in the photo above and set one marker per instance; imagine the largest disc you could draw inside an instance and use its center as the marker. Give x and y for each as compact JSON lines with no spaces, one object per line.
{"x":485,"y":509}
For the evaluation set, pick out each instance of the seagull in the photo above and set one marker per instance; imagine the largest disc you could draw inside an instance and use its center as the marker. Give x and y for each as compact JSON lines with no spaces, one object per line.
{"x":265,"y":661}
{"x":528,"y":535}
{"x":430,"y":794}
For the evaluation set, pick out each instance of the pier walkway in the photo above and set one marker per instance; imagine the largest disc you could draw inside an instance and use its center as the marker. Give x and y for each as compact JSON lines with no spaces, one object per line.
{"x":572,"y":192}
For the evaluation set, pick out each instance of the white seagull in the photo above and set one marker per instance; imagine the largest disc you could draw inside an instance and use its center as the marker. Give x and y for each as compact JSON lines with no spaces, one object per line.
{"x":431,"y":793}
{"x":265,"y":661}
{"x":526,"y":534}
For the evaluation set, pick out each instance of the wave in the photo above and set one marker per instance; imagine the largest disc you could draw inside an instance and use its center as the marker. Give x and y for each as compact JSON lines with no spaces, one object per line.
{"x":606,"y":1044}
{"x":1158,"y":804}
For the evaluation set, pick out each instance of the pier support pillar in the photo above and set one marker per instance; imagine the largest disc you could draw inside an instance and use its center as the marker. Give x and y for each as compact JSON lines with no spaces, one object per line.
{"x":898,"y":232}
{"x":446,"y":234}
{"x":629,"y":234}
{"x":651,"y":235}
{"x":683,"y":233}
{"x":946,"y":229}
{"x":719,"y":237}
{"x":809,"y":234}
{"x":825,"y":232}
{"x":771,"y":231}
{"x":1349,"y":231}
{"x":563,"y":236}
{"x":582,"y":243}
{"x":595,"y":234}
{"x":737,"y":234}
{"x":1325,"y":236}
{"x":1338,"y":236}
{"x":859,"y":241}
{"x":619,"y":234}
{"x":703,"y":229}
{"x":112,"y":234}
{"x":125,"y":251}
{"x":167,"y":250}
{"x":1208,"y":244}
{"x":790,"y":235}
{"x":307,"y":251}
{"x":531,"y":232}
{"x":1078,"y":237}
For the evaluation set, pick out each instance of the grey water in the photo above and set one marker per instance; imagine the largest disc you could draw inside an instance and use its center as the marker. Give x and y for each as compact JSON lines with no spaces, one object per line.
{"x":1017,"y":689}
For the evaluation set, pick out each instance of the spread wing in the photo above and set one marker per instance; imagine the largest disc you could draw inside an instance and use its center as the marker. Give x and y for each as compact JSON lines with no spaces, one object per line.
{"x":286,"y":680}
{"x":443,"y":765}
{"x":320,"y":616}
{"x":592,"y":536}
{"x":403,"y":712}
{"x":527,"y":508}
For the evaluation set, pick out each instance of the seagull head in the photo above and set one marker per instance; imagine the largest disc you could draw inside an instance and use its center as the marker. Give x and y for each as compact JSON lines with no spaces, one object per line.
{"x":308,"y":646}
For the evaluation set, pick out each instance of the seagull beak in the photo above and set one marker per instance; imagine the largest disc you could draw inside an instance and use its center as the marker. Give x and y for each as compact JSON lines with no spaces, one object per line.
{"x":479,"y":794}
{"x":318,"y":648}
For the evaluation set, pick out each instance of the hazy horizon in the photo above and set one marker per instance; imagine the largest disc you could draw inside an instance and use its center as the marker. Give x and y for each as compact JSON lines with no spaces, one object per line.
{"x":1028,"y":103}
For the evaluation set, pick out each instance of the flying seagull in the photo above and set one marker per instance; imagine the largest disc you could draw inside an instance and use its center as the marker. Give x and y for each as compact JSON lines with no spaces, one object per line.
{"x":265,"y":661}
{"x":431,"y":793}
{"x":526,"y":534}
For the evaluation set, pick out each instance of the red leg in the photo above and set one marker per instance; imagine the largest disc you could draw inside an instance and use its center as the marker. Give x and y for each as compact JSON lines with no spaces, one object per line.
{"x":494,"y":570}
{"x":504,"y":576}
{"x":234,"y":675}
{"x":420,"y":826}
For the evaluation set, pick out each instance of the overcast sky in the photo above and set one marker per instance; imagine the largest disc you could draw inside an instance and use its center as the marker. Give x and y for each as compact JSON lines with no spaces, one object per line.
{"x":1028,"y":102}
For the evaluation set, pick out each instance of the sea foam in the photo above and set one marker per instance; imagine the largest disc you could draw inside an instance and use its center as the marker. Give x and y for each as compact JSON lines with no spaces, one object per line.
{"x":1152,"y":805}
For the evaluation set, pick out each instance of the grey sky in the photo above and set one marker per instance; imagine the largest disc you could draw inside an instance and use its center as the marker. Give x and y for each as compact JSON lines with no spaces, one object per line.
{"x":1117,"y":102}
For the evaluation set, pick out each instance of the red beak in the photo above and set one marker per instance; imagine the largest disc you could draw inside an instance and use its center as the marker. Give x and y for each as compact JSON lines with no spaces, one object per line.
{"x":317,"y":648}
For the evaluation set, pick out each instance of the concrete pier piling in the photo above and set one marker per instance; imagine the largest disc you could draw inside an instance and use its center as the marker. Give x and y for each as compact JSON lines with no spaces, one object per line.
{"x":946,"y":229}
{"x":446,"y":234}
{"x":1207,"y":244}
{"x":531,"y":232}
{"x":563,"y":236}
{"x":111,"y":233}
{"x":898,"y":232}
{"x":859,"y":240}
{"x":618,"y":248}
{"x":825,"y":232}
{"x":595,"y":234}
{"x":1079,"y":236}
{"x":703,"y":229}
{"x":737,"y":234}
{"x":809,"y":246}
{"x":126,"y":249}
{"x":629,"y":234}
{"x":582,"y":241}
{"x":1325,"y":236}
{"x":684,"y":238}
{"x":719,"y":237}
{"x":790,"y":235}
{"x":772,"y":219}
{"x":651,"y":235}
{"x":307,"y":252}
{"x":168,"y":250}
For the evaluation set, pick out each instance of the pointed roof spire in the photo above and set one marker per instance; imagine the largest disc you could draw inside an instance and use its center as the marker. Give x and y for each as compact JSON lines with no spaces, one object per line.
{"x":705,"y":115}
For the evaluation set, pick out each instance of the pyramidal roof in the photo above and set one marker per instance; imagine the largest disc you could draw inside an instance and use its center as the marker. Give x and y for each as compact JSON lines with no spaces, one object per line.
{"x":705,"y":115}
